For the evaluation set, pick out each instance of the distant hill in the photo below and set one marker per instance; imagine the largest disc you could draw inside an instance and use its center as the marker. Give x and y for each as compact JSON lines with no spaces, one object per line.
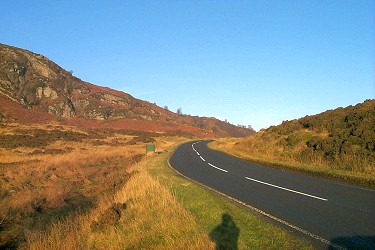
{"x":35,"y":89}
{"x":341,"y":139}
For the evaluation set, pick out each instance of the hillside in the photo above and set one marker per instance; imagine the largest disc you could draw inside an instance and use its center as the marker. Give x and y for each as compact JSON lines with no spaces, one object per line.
{"x":35,"y":89}
{"x":338,"y":143}
{"x":344,"y":133}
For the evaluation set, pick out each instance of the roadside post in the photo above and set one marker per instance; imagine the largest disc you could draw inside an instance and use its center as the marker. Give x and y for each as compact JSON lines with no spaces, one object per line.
{"x":149,"y":148}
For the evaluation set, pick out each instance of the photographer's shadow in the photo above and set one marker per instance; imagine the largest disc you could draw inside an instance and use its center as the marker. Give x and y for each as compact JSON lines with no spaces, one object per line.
{"x":226,"y":234}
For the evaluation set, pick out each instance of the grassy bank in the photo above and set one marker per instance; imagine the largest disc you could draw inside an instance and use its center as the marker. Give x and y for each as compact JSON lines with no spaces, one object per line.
{"x":319,"y":168}
{"x":211,"y":211}
{"x":157,"y":209}
{"x":143,"y":215}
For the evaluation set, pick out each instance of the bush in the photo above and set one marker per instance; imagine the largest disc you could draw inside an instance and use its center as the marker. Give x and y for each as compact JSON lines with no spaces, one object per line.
{"x":109,"y":218}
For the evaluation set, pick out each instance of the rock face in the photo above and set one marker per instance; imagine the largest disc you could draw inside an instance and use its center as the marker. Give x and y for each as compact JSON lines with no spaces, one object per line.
{"x":46,"y":92}
{"x":32,"y":80}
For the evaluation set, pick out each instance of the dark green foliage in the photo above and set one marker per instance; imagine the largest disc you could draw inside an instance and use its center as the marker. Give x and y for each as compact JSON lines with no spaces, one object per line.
{"x":22,"y":70}
{"x":39,"y":83}
{"x":30,"y":97}
{"x":293,"y":140}
{"x":343,"y":136}
{"x":351,"y":131}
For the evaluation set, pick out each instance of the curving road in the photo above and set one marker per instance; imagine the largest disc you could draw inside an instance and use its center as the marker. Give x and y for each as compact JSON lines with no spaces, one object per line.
{"x":333,"y":215}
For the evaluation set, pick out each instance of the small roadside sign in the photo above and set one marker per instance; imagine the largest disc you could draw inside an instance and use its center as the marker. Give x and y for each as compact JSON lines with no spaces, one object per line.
{"x":150,"y":148}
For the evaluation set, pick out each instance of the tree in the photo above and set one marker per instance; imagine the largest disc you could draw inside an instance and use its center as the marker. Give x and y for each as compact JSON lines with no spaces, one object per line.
{"x":179,"y":111}
{"x":166,"y":107}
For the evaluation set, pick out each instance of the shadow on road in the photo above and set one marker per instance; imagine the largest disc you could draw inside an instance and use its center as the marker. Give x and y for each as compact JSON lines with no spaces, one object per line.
{"x":354,"y":242}
{"x":226,"y":234}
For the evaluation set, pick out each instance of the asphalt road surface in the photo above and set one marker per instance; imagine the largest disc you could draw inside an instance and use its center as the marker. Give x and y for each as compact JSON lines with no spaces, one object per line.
{"x":332,"y":214}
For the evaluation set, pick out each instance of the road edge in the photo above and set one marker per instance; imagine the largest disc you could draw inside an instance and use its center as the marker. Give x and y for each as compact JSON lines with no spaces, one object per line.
{"x":259,"y":211}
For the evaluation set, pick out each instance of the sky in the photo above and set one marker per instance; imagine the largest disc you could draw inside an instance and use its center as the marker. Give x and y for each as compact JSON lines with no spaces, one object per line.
{"x":252,"y":63}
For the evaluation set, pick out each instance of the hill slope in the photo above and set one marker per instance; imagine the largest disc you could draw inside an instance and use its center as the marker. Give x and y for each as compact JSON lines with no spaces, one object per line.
{"x":338,"y":143}
{"x":48,"y":92}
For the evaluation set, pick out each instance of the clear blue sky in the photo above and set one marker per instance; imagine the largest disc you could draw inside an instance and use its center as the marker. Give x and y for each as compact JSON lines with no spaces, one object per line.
{"x":250,"y":62}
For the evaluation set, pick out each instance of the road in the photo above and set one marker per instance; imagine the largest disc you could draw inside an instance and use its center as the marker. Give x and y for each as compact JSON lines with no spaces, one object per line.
{"x":332,"y":214}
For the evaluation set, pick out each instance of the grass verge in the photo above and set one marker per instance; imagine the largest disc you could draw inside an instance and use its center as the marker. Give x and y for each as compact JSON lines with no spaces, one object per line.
{"x":212,"y":211}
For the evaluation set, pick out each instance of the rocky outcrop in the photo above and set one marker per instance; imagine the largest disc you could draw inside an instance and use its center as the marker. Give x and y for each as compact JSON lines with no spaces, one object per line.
{"x":114,"y":99}
{"x":81,"y":103}
{"x":46,"y":92}
{"x":64,"y":109}
{"x":32,"y":80}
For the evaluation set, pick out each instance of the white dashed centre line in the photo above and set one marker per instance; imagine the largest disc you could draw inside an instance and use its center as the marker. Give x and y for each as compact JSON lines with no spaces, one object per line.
{"x":287,"y":189}
{"x":226,"y":171}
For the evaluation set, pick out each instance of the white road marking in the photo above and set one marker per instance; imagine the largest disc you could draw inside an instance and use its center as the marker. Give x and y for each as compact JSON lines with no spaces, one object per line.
{"x":192,"y":146}
{"x":226,"y":171}
{"x":317,"y":237}
{"x":287,"y":189}
{"x":262,"y":182}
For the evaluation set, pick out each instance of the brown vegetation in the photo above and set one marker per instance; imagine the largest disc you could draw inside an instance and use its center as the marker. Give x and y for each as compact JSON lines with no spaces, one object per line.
{"x":50,"y":172}
{"x":143,"y":214}
{"x":88,"y":192}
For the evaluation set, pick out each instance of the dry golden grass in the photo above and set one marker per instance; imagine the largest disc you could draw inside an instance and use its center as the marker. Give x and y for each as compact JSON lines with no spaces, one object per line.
{"x":53,"y":196}
{"x":153,"y":218}
{"x":76,"y":166}
{"x":41,"y":185}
